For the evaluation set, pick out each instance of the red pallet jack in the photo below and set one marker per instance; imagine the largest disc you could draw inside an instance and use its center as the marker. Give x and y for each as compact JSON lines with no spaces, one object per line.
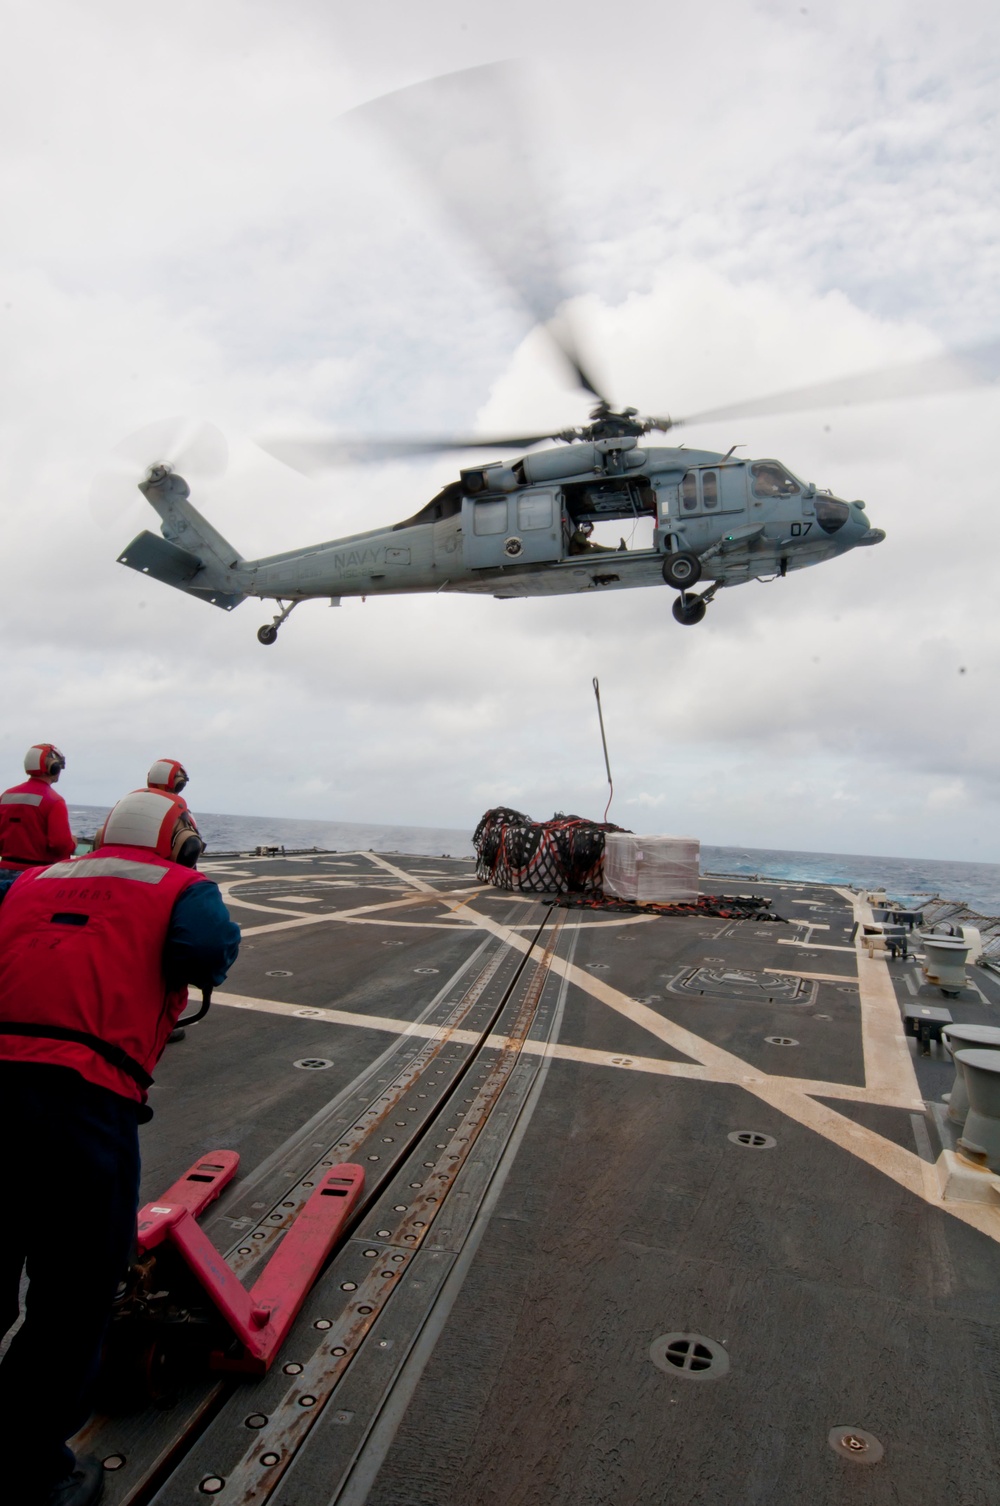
{"x":183,"y":1305}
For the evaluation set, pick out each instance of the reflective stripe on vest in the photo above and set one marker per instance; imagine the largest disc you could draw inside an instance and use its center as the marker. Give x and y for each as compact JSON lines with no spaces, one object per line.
{"x":109,"y":867}
{"x":13,"y":798}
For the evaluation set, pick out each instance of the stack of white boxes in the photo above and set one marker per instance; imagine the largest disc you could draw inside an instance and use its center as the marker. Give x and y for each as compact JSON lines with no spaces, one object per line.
{"x":653,"y":870}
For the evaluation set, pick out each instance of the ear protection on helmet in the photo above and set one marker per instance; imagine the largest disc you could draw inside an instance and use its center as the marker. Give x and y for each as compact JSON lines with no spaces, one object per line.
{"x":45,"y":759}
{"x":186,"y":846}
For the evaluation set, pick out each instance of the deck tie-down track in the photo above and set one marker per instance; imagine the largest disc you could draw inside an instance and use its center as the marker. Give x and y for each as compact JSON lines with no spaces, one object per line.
{"x":414,"y":1137}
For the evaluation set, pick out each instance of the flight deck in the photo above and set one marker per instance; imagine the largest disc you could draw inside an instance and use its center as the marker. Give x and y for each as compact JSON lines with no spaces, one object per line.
{"x":651,"y":1210}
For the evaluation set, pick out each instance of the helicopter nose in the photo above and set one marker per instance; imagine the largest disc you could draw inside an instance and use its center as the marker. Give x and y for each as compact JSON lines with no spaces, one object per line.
{"x":873,"y":536}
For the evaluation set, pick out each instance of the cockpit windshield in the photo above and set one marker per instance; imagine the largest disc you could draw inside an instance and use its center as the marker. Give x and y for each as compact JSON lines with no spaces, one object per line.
{"x":772,"y":480}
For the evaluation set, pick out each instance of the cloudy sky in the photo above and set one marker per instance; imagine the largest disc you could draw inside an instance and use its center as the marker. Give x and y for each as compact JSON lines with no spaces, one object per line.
{"x":750,"y":196}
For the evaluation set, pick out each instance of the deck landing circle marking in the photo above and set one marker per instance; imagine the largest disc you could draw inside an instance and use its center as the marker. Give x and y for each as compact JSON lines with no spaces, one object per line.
{"x":313,"y":1063}
{"x":690,"y":1356}
{"x":780,"y":1040}
{"x":856,"y":1445}
{"x":752,"y":1139}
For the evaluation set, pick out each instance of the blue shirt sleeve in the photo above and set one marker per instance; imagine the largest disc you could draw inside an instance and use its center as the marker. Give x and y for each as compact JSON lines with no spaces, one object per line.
{"x":202,"y":942}
{"x":6,"y":879}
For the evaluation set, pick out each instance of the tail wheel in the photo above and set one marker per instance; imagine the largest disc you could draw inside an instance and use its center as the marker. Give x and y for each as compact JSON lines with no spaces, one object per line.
{"x":682,"y":570}
{"x":688,"y":610}
{"x":268,"y":634}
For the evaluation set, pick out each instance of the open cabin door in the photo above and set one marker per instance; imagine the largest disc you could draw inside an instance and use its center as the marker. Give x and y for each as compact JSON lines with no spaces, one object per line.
{"x":524,"y":527}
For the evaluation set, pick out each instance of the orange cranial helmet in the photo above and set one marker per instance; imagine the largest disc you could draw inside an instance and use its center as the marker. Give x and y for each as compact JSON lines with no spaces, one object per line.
{"x":159,"y":822}
{"x":168,"y":775}
{"x":44,"y":759}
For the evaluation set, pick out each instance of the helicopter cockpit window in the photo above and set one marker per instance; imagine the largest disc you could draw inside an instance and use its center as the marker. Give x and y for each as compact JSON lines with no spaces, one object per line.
{"x":831,"y":513}
{"x":534,"y":511}
{"x":491,"y":517}
{"x":772,"y":480}
{"x":689,"y":492}
{"x":710,"y":489}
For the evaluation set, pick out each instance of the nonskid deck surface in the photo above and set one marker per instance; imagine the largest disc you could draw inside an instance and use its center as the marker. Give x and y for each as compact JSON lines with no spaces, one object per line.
{"x":548,"y":1106}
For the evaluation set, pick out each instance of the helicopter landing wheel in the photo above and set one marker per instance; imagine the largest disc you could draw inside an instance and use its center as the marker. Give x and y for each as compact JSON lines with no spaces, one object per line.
{"x":682,"y":570}
{"x":688,"y":610}
{"x":268,"y":634}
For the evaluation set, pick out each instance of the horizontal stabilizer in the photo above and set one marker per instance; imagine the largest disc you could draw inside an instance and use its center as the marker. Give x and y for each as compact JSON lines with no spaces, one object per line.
{"x":166,"y":562}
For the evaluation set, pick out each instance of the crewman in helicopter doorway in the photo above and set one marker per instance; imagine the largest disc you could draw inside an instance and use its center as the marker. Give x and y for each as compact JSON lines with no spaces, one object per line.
{"x":96,"y":954}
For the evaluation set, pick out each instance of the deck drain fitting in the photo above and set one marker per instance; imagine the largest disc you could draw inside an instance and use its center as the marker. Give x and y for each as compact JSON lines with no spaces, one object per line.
{"x":752,"y":1139}
{"x":855,"y":1444}
{"x":780,"y":1040}
{"x":211,"y":1485}
{"x":269,"y":1459}
{"x":256,"y":1420}
{"x":690,"y":1356}
{"x":113,"y":1462}
{"x":274,"y":972}
{"x":313,"y":1063}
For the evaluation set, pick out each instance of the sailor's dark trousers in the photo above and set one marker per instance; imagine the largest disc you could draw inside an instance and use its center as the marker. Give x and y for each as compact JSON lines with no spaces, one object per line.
{"x":69,"y":1172}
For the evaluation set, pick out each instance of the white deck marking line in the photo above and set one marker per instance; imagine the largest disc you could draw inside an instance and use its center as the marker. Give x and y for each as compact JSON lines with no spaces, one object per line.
{"x":653,"y":1065}
{"x":888,"y":1064}
{"x":814,"y":946}
{"x":409,"y":878}
{"x":342,"y":915}
{"x":809,"y":925}
{"x":793,"y":972}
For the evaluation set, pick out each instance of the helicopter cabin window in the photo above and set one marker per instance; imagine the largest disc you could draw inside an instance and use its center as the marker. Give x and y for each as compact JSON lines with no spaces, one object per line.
{"x":710,"y":489}
{"x":534,"y":511}
{"x":491,"y":517}
{"x":689,"y":492}
{"x":772,"y":480}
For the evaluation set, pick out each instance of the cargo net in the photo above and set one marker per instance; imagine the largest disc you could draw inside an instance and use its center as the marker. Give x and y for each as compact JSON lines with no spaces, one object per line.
{"x":565,"y":856}
{"x":561,"y":856}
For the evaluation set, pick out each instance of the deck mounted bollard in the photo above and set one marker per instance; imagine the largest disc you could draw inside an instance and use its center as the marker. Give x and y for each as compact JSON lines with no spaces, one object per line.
{"x":981,"y":1135}
{"x":944,"y":961}
{"x":958,"y":1038}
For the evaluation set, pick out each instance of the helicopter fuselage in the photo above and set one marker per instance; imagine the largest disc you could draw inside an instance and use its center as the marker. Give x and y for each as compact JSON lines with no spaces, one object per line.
{"x":521,"y":530}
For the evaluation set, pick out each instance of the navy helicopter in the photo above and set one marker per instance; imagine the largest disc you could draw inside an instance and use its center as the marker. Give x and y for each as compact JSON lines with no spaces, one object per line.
{"x":522,"y":527}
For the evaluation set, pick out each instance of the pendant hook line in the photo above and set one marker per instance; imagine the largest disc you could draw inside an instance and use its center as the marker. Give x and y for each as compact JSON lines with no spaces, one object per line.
{"x":604,"y":745}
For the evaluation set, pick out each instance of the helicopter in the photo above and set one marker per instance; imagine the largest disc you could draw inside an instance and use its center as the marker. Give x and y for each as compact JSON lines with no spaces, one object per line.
{"x":521,"y":528}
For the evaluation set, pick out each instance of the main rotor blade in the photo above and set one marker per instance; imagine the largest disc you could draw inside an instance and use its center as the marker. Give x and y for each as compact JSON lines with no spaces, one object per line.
{"x":313,"y":456}
{"x":465,"y":136}
{"x":951,"y":371}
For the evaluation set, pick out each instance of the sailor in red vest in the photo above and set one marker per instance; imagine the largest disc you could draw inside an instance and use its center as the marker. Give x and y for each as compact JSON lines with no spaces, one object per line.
{"x":168,"y":775}
{"x":95,"y":957}
{"x":34,"y":822}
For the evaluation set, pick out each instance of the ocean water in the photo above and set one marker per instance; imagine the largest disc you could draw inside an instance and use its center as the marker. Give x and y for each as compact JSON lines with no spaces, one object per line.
{"x":976,"y":884}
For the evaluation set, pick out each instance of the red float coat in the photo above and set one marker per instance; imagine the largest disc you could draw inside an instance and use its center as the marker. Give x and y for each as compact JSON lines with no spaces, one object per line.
{"x":34,"y":825}
{"x":81,"y":946}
